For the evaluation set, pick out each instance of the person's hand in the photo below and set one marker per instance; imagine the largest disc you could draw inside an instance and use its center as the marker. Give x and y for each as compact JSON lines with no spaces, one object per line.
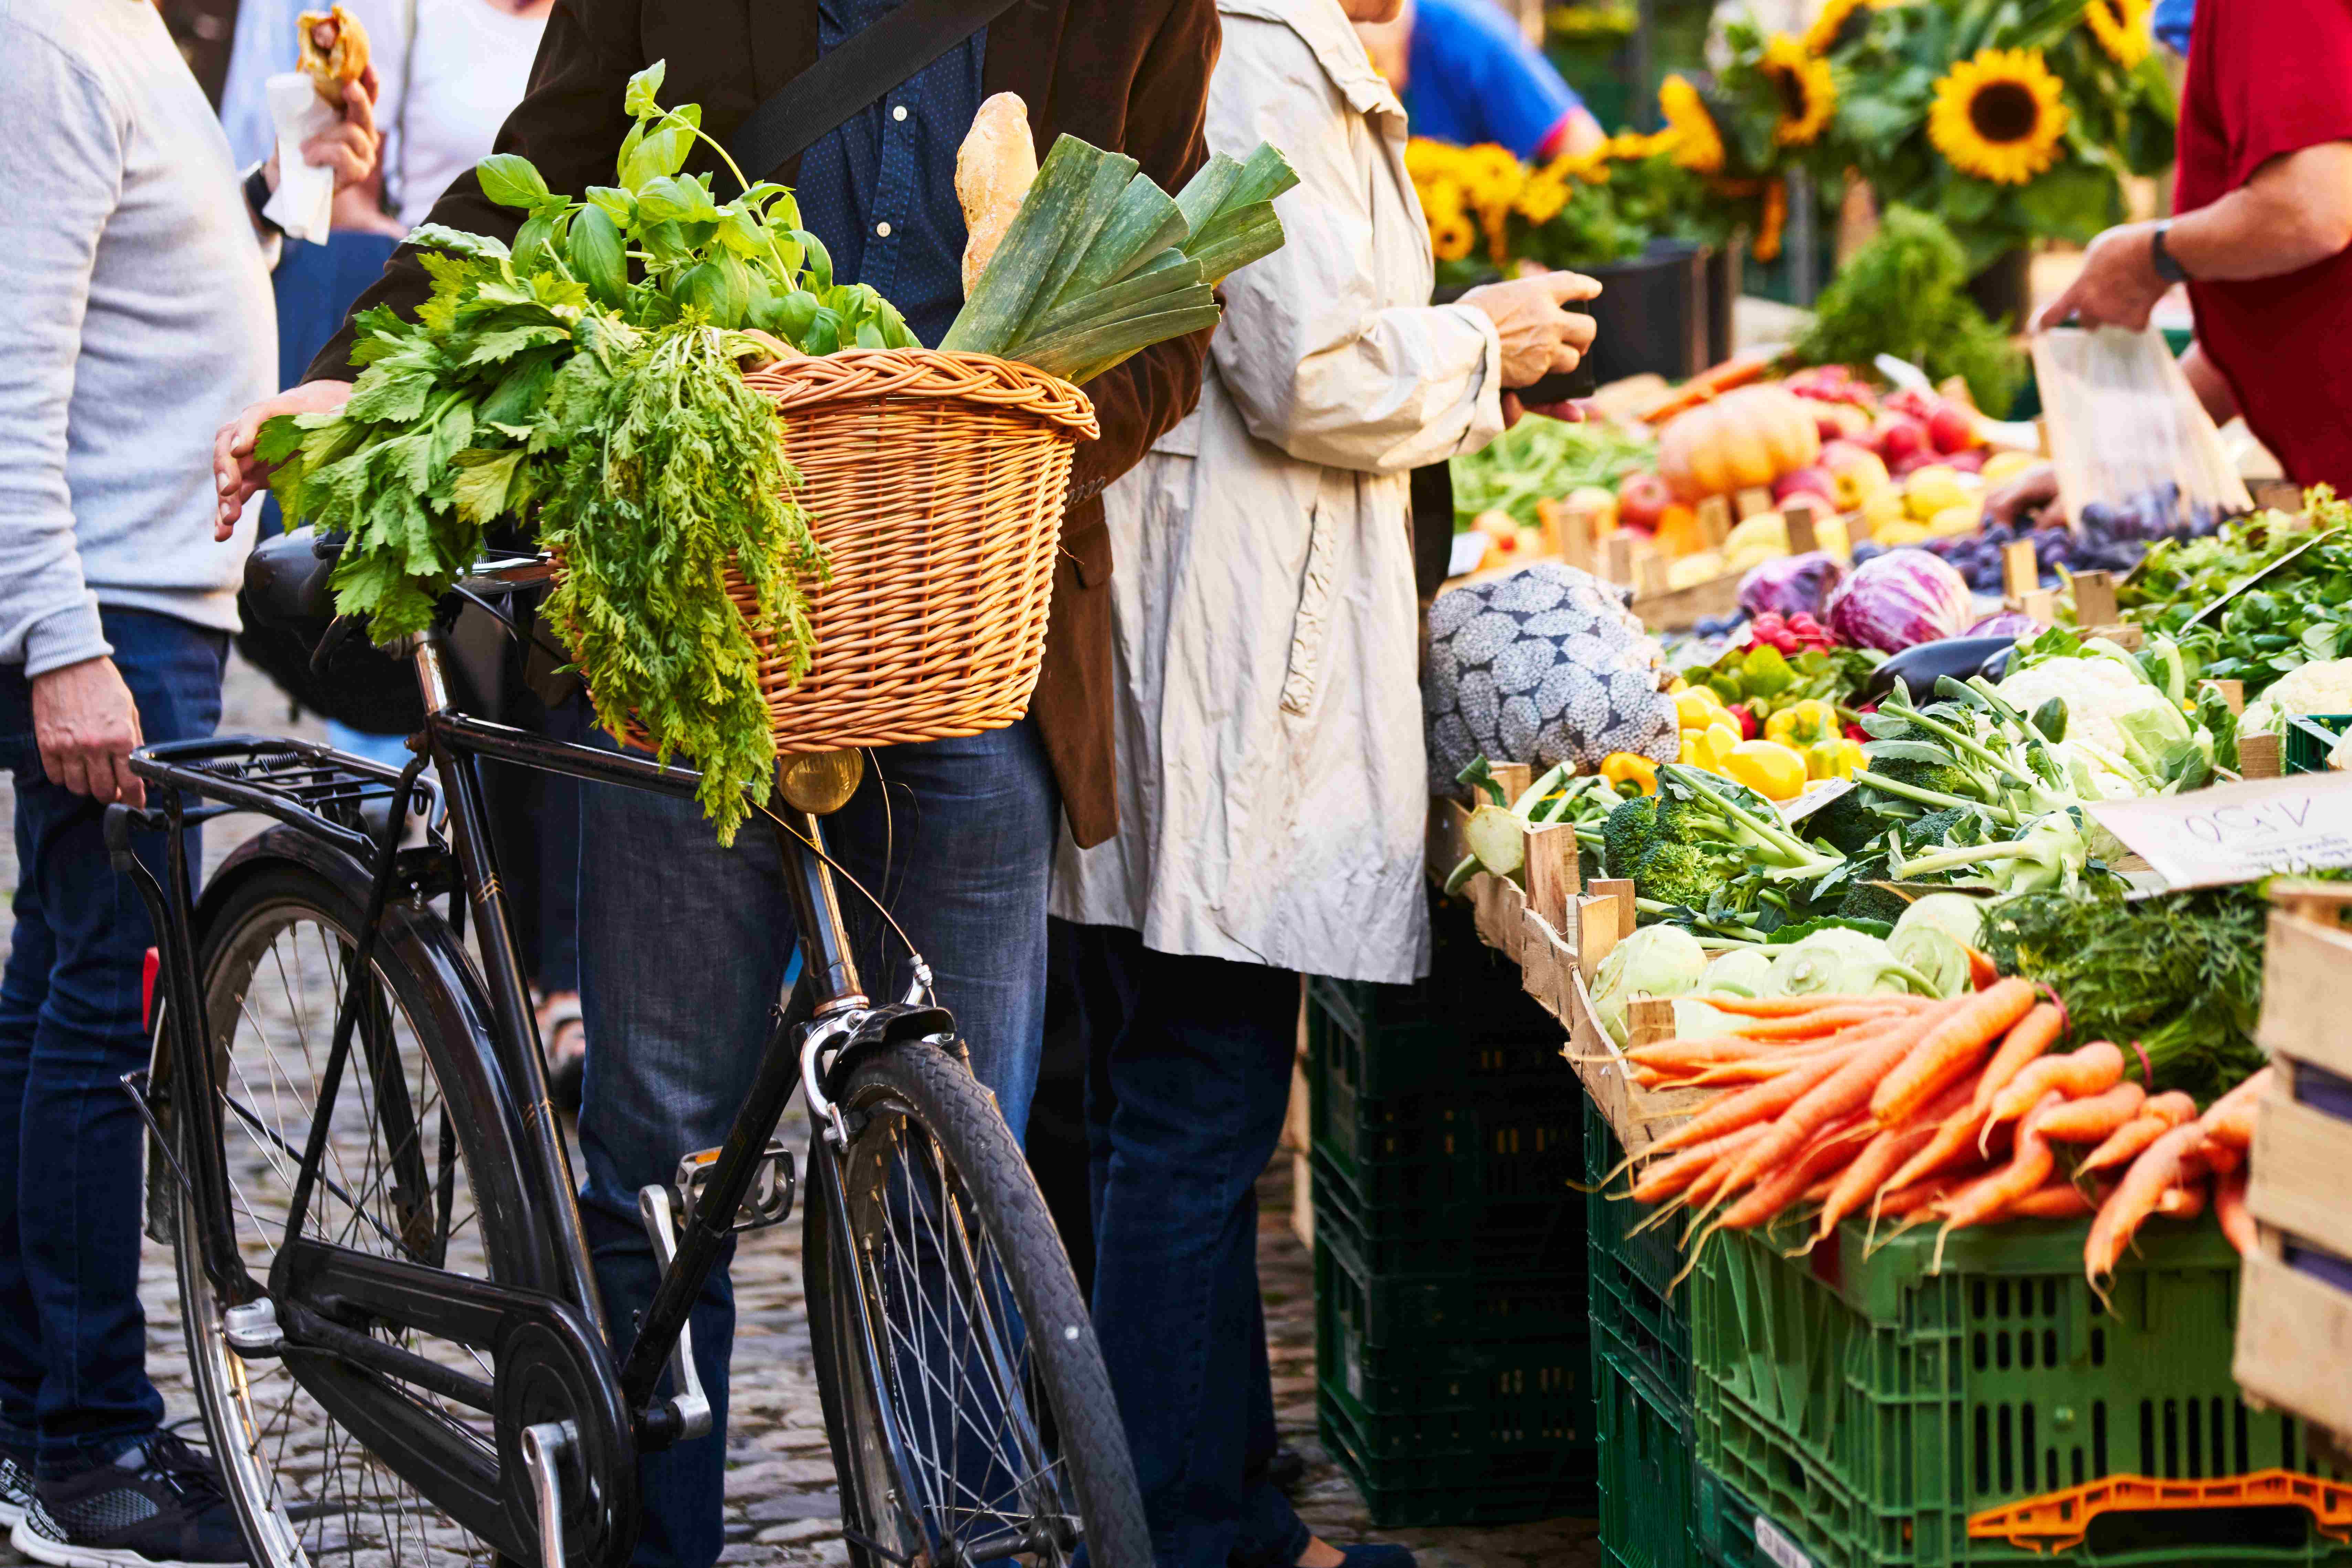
{"x":2117,"y":287}
{"x":1568,"y":411}
{"x":238,"y":473}
{"x":2022,"y":501}
{"x":86,"y":726}
{"x":1539,"y":339}
{"x":351,"y":148}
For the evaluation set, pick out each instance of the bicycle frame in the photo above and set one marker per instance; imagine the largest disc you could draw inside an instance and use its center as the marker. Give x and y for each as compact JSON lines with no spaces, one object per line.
{"x":562,"y":1297}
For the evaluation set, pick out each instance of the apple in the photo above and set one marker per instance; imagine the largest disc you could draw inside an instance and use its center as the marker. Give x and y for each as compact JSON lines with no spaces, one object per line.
{"x":1972,"y":461}
{"x":1896,"y":437}
{"x":1642,"y":500}
{"x":1920,"y":406}
{"x":1905,"y":466}
{"x":1952,"y":429}
{"x":1855,"y":471}
{"x":1840,"y":421}
{"x":1814,"y":480}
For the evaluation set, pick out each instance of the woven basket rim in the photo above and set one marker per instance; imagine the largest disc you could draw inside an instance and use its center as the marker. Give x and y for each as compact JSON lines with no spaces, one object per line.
{"x":806,"y":383}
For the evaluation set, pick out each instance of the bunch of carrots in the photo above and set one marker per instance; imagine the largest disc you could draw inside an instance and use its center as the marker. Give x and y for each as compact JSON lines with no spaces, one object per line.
{"x":1921,"y":1109}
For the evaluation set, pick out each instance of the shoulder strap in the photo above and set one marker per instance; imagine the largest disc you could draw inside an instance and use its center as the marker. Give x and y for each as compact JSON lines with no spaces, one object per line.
{"x":858,"y":70}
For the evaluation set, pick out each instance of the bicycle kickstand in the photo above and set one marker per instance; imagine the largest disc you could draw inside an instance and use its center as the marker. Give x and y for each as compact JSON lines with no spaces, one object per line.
{"x":543,"y":1448}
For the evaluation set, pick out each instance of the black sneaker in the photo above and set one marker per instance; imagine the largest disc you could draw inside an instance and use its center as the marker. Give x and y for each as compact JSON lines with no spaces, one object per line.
{"x":15,"y":1490}
{"x":159,"y":1505}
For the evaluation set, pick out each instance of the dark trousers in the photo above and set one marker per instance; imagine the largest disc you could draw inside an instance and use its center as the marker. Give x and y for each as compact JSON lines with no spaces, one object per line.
{"x":73,"y":1367}
{"x":1189,"y":1076}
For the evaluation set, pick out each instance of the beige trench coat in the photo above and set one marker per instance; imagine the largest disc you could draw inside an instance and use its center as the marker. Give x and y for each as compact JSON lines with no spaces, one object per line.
{"x":1271,"y":779}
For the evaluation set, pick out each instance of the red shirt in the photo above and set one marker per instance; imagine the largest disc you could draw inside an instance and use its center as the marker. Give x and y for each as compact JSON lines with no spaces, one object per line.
{"x":2267,"y":77}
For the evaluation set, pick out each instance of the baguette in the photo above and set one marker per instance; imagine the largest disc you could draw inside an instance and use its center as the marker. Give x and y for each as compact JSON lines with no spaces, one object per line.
{"x":994,"y":168}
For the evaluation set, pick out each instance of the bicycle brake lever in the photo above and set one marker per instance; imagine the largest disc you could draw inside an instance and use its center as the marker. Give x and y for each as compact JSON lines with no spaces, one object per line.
{"x":339,"y":631}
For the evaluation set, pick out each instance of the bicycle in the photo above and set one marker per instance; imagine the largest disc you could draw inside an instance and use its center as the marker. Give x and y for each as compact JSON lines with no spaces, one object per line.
{"x":390,"y":1314}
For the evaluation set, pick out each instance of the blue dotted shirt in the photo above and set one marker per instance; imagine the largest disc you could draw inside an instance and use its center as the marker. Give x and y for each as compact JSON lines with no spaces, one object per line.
{"x":880,"y":190}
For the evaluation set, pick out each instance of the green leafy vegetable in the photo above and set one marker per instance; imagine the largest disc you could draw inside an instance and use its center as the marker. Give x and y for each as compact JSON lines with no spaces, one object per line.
{"x":1543,"y":459}
{"x":1905,"y":294}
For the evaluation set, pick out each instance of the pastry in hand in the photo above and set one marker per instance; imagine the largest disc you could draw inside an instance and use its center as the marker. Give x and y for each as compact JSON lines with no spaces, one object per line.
{"x":995,"y":167}
{"x":334,"y":51}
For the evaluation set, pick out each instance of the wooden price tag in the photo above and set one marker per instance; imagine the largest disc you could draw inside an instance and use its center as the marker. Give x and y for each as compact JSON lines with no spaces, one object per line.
{"x":1715,"y":520}
{"x":1617,"y":559}
{"x":2020,"y":573}
{"x":1803,"y":517}
{"x":1749,"y":503}
{"x":2233,"y":693}
{"x":1551,"y":872}
{"x":2095,"y":599}
{"x":1649,"y":573}
{"x":1512,"y":779}
{"x":2238,"y":833}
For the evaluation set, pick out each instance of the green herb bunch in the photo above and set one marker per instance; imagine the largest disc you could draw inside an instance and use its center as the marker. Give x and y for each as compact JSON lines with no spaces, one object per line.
{"x":584,"y":381}
{"x":1906,"y":293}
{"x":2256,"y":598}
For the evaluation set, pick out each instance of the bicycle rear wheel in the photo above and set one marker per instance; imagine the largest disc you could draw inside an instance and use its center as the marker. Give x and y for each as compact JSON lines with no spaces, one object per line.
{"x":407,"y":1175}
{"x":983,"y":1423}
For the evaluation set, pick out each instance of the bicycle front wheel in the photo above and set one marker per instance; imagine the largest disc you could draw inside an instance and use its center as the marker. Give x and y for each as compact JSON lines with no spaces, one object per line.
{"x":407,"y":1174}
{"x":971,"y":1414}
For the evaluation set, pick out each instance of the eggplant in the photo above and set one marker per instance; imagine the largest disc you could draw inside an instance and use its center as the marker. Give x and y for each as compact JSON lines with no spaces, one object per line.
{"x":1921,"y":666}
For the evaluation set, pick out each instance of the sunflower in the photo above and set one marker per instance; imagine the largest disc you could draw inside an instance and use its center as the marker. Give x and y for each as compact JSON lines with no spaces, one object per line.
{"x":1997,"y":116}
{"x":1545,"y":194}
{"x":1767,"y":247}
{"x":2121,"y":27}
{"x":1698,"y":145}
{"x":1803,"y":82}
{"x":1825,"y":34}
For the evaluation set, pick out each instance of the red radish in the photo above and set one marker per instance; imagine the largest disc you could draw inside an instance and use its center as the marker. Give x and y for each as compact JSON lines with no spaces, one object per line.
{"x":1642,"y":500}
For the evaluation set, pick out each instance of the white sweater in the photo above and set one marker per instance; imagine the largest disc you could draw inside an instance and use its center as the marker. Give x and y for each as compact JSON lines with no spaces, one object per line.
{"x":135,"y":318}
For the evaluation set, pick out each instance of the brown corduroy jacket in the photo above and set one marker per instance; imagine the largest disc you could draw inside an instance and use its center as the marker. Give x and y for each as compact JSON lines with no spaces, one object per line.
{"x":1131,"y":76}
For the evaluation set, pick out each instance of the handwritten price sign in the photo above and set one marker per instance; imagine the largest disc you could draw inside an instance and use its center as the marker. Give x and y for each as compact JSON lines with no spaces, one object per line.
{"x":2236,"y":832}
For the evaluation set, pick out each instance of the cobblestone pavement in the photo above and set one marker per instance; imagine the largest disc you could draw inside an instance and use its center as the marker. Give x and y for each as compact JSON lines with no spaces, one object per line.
{"x":782,"y":1508}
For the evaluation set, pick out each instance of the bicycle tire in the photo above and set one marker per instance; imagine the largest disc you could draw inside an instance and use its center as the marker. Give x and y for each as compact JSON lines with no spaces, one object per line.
{"x":255,"y":1411}
{"x":919,"y":1085}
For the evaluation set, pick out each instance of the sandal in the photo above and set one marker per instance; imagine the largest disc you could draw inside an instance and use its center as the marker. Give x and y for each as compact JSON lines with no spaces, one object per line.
{"x":563,"y":1034}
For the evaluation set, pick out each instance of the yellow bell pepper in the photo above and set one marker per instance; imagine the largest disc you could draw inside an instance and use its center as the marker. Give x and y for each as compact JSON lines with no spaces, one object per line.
{"x":1802,"y":723}
{"x":1772,"y":770}
{"x":1621,"y":768}
{"x":1697,"y":707}
{"x":1832,"y":759}
{"x":1709,"y":748}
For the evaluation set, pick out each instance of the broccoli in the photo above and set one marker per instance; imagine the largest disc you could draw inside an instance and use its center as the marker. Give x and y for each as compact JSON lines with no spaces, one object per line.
{"x":1847,"y":822}
{"x":1628,"y":834}
{"x":1935,"y":830}
{"x":1687,"y":874}
{"x":1939,"y":778}
{"x":1870,"y":901}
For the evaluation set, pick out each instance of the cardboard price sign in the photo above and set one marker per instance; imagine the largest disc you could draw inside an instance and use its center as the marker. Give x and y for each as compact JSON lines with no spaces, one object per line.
{"x":2236,"y":832}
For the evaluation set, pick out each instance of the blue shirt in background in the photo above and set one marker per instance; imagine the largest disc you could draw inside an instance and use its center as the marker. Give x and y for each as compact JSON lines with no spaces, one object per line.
{"x":2171,"y":23}
{"x":1473,"y":76}
{"x":880,"y":190}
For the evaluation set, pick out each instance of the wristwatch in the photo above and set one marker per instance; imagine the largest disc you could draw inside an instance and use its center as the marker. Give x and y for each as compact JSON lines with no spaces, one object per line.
{"x":2167,"y":266}
{"x":257,"y":196}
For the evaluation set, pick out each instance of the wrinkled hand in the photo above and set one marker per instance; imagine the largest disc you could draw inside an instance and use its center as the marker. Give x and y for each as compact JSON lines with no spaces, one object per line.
{"x":87,"y":725}
{"x":1570,"y":411}
{"x":1539,"y":338}
{"x":238,"y":474}
{"x":2024,"y":501}
{"x":2117,"y":287}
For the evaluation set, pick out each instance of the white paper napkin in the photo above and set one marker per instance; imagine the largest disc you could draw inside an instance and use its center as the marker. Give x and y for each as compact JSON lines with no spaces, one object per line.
{"x":303,"y":204}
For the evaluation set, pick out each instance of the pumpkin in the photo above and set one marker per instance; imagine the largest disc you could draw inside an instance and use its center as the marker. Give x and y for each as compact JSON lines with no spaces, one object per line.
{"x":1742,"y":440}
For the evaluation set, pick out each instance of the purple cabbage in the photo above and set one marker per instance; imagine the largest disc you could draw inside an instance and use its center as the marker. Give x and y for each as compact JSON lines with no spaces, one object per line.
{"x":1791,"y":584}
{"x":1899,"y":600}
{"x":2006,"y":624}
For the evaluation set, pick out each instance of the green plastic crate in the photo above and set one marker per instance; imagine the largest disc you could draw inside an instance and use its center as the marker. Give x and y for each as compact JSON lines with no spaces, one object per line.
{"x":1634,"y":1294}
{"x":1541,"y":1235}
{"x":1442,"y":1147}
{"x":1469,"y":1021}
{"x":1445,"y":1305}
{"x":1455,"y":1488}
{"x":1463,"y":1400}
{"x":2309,"y":737}
{"x":1647,"y":1466}
{"x":1871,"y":1408}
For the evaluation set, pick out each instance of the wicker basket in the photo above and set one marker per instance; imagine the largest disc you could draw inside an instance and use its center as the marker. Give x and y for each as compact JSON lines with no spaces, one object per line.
{"x":936,"y":482}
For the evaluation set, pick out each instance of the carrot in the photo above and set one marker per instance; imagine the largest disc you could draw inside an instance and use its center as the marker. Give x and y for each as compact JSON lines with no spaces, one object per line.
{"x":1760,"y":1103}
{"x":2033,"y":1034}
{"x":2183,"y":1202}
{"x":1751,"y":1072}
{"x":1985,"y":1198}
{"x":1669,"y":1176}
{"x":1798,"y":1007}
{"x":1982,"y":972}
{"x":1828,"y":1149}
{"x":2230,"y":1208}
{"x":1824,"y":1021}
{"x":2094,"y":1069}
{"x":1684,"y":1052}
{"x":1704,"y":387}
{"x":2092,"y":1119}
{"x":2136,"y":1197}
{"x":1846,"y":1087}
{"x":2160,"y":1115}
{"x":2059,"y":1200}
{"x":1957,"y":1042}
{"x":1953,"y":1137}
{"x":2230,"y":1120}
{"x":1884,"y":1155}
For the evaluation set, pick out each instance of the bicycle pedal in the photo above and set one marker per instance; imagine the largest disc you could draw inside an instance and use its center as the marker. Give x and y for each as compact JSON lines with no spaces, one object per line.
{"x":769,"y":1201}
{"x":544,"y":1448}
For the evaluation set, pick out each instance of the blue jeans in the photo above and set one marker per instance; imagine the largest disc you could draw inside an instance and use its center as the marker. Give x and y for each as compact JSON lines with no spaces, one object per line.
{"x":682,"y":953}
{"x":73,"y":1366}
{"x":1188,"y":1078}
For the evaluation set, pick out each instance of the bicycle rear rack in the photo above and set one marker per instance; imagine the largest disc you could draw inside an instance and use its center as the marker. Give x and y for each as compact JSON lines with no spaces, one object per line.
{"x":305,"y":785}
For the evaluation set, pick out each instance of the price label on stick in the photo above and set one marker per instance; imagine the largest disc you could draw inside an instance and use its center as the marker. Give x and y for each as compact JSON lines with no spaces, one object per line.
{"x":2236,"y":832}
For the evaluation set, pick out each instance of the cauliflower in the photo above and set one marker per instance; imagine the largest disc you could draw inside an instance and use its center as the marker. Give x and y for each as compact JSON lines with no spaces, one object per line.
{"x":2322,"y":687}
{"x":2110,"y":706}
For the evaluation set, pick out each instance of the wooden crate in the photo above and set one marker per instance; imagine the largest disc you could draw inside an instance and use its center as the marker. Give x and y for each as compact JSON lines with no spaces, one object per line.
{"x":2294,"y":1330}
